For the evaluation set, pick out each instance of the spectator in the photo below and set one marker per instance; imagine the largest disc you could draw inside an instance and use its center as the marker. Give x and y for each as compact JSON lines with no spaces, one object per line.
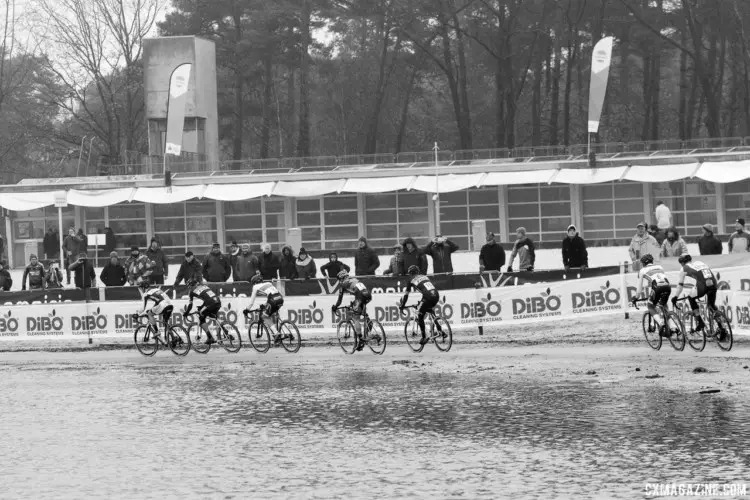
{"x":138,"y":265}
{"x":244,"y":265}
{"x":70,"y":247}
{"x":334,"y":266}
{"x":739,"y":241}
{"x":708,"y":243}
{"x":156,"y":255}
{"x":663,"y":216}
{"x":85,"y":277}
{"x":574,"y":251}
{"x":524,"y":248}
{"x":113,"y":273}
{"x":642,"y":244}
{"x":306,"y":267}
{"x":673,"y":246}
{"x":393,"y":265}
{"x":269,"y":263}
{"x":491,"y":256}
{"x":287,"y":266}
{"x":190,"y":269}
{"x":83,"y":242}
{"x":35,"y":273}
{"x":366,"y":261}
{"x":411,"y":256}
{"x":657,"y":233}
{"x":440,"y":249}
{"x":6,"y":281}
{"x":51,"y":244}
{"x":110,"y":243}
{"x":53,"y":278}
{"x":234,"y":251}
{"x":216,"y":268}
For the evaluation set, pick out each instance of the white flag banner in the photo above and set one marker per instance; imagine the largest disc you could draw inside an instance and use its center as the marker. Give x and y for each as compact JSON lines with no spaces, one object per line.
{"x":600,"y":63}
{"x":178,"y":86}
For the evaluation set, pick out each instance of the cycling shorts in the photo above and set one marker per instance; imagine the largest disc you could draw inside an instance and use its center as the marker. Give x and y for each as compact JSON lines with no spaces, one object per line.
{"x":208,"y":312}
{"x":273,"y":304}
{"x":660,"y":294}
{"x":428,"y":303}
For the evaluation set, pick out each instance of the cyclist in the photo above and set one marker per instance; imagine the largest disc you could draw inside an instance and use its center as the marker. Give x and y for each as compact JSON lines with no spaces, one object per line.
{"x":656,"y":280}
{"x":155,"y":301}
{"x":362,"y":297}
{"x":430,"y":298}
{"x":274,"y":301}
{"x":705,"y":286}
{"x":211,"y":303}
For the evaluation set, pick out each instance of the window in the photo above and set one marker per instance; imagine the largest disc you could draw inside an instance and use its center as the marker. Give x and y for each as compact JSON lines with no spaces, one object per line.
{"x":255,"y":222}
{"x":692,"y":202}
{"x":33,"y":224}
{"x":275,"y":221}
{"x":611,"y":210}
{"x":391,"y":217}
{"x":128,"y":222}
{"x":543,"y":210}
{"x":308,"y":220}
{"x":94,"y":220}
{"x":340,"y":221}
{"x":736,"y":202}
{"x":459,"y":208}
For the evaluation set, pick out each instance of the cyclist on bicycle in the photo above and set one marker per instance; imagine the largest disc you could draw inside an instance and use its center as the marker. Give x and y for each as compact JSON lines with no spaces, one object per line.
{"x":430,"y":298}
{"x":274,"y":301}
{"x":705,"y":286}
{"x":362,"y":297}
{"x":656,"y":280}
{"x":155,"y":301}
{"x":211,"y":303}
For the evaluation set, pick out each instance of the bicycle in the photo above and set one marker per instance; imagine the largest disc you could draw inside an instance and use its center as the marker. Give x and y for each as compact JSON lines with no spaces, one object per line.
{"x":674,"y":331}
{"x":374,"y":335}
{"x":443,"y":337}
{"x":147,"y":342}
{"x":225,"y":334}
{"x":288,"y":335}
{"x":719,"y":327}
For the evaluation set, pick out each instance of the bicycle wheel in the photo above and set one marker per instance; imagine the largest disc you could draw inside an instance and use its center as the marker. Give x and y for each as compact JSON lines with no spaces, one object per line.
{"x":651,"y":331}
{"x":290,"y":337}
{"x":178,"y":340}
{"x":259,"y":336}
{"x":347,"y":336}
{"x":376,"y":340}
{"x":443,"y":338}
{"x":413,"y":336}
{"x":696,"y":340}
{"x":229,"y":337}
{"x":722,"y":329}
{"x":198,"y":339}
{"x":145,"y":340}
{"x":676,"y":331}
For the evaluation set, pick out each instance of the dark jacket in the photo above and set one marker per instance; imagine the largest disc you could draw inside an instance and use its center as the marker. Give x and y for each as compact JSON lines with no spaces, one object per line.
{"x":85,"y":276}
{"x":659,"y":236}
{"x":288,"y":264}
{"x":366,"y":261}
{"x":306,"y":268}
{"x":574,"y":253}
{"x":70,"y":245}
{"x":244,"y":266}
{"x":35,"y":273}
{"x":333,"y":267}
{"x":269,"y":265}
{"x":492,"y":257}
{"x":189,"y":271}
{"x":710,"y":245}
{"x":109,"y":241}
{"x":216,"y":268}
{"x":525,"y":250}
{"x":413,"y":258}
{"x":392,"y":268}
{"x":83,"y":241}
{"x":441,"y":255}
{"x":52,"y":244}
{"x":161,"y":266}
{"x":113,"y":274}
{"x":53,"y":278}
{"x":5,"y":280}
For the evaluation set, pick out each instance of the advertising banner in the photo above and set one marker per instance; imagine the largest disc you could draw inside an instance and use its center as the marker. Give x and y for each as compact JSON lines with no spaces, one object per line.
{"x":178,"y":86}
{"x":600,"y":62}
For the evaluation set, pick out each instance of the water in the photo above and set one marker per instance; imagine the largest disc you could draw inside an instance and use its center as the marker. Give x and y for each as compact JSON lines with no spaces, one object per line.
{"x":226,"y":427}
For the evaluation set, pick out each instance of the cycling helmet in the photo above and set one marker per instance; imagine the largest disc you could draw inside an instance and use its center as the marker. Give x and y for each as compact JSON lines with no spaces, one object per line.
{"x":342,"y":275}
{"x":413,"y":270}
{"x":684,"y":259}
{"x":647,"y":259}
{"x":256,"y":279}
{"x":143,"y":284}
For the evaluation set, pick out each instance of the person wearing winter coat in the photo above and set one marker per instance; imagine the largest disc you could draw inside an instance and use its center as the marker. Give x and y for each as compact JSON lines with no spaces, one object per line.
{"x":574,"y":251}
{"x":440,"y":249}
{"x":366,"y":261}
{"x":333,"y":267}
{"x":269,"y":263}
{"x":138,"y":265}
{"x":673,"y":246}
{"x":642,"y":244}
{"x":411,"y":255}
{"x":70,"y":247}
{"x":110,"y":243}
{"x":244,"y":264}
{"x":393,"y":265}
{"x":234,"y":251}
{"x":288,"y":264}
{"x":525,"y":249}
{"x":709,"y":244}
{"x":35,"y":274}
{"x":53,"y":278}
{"x":657,"y":233}
{"x":160,"y":271}
{"x":491,"y":256}
{"x":6,"y":281}
{"x":85,"y":277}
{"x":739,"y":241}
{"x":113,"y":273}
{"x":83,"y":241}
{"x":306,"y":267}
{"x":190,"y":270}
{"x":216,"y":268}
{"x":52,"y":244}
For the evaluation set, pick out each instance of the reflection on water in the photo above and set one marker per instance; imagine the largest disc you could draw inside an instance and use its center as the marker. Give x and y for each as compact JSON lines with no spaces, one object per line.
{"x":231,"y":431}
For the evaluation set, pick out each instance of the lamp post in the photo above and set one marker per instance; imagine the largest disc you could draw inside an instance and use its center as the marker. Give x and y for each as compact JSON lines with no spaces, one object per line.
{"x":436,"y":196}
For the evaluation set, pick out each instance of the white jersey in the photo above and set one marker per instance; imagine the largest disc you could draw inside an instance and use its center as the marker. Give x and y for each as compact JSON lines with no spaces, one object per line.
{"x":155,"y":300}
{"x":654,"y":276}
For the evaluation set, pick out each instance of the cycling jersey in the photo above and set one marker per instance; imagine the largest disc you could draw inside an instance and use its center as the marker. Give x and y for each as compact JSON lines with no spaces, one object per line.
{"x":423,"y":285}
{"x":361,"y":294}
{"x":275,"y":299}
{"x":654,"y":276}
{"x":35,"y":273}
{"x":700,"y":273}
{"x":156,"y":300}
{"x":206,"y":295}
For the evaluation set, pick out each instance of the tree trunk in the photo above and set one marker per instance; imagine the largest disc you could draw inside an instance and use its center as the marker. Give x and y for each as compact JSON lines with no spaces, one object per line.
{"x":499,"y":106}
{"x":265,"y":141}
{"x":554,"y":118}
{"x":684,"y":92}
{"x":405,"y":112}
{"x":303,"y":141}
{"x":291,"y":112}
{"x":371,"y":143}
{"x":572,"y":56}
{"x":536,"y":102}
{"x":239,"y":84}
{"x":449,"y":70}
{"x":463,"y":85}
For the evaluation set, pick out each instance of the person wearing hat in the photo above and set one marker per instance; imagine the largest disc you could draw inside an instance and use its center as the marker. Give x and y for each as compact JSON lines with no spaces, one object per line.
{"x":366,"y":261}
{"x":155,"y":254}
{"x":288,"y":264}
{"x":526,"y":251}
{"x":574,"y":251}
{"x":642,"y":244}
{"x":491,"y":255}
{"x":739,"y":241}
{"x":216,"y":268}
{"x":411,"y":255}
{"x":244,"y":264}
{"x":35,"y":274}
{"x":334,"y":266}
{"x":53,"y":277}
{"x":269,"y":263}
{"x":138,"y":265}
{"x":190,"y":270}
{"x":709,"y":244}
{"x":113,"y":273}
{"x":85,"y":277}
{"x":306,"y":267}
{"x":393,"y":264}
